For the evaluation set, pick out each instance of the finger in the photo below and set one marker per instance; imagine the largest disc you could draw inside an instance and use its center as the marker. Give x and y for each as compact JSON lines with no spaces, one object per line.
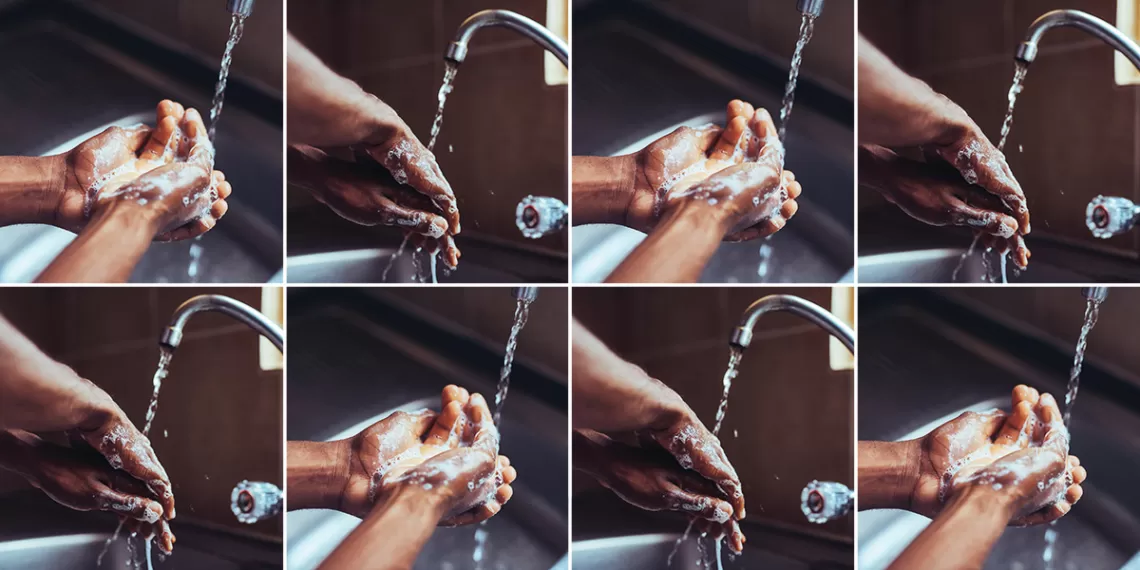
{"x":984,"y":220}
{"x":1079,"y":475}
{"x":137,"y":137}
{"x":165,"y":539}
{"x":160,"y":143}
{"x":412,"y":164}
{"x":422,"y":421}
{"x":771,"y":149}
{"x":793,"y":187}
{"x":730,"y":139}
{"x":982,"y":164}
{"x":1049,"y":411}
{"x":510,"y":474}
{"x":1015,"y":426}
{"x":453,"y":393}
{"x":1021,"y":253}
{"x":133,"y":506}
{"x":223,"y":186}
{"x":201,"y":150}
{"x":736,"y":538}
{"x":504,"y":494}
{"x":451,"y":253}
{"x":1023,"y":393}
{"x":479,"y":411}
{"x":703,"y":506}
{"x":1074,"y":494}
{"x":448,"y":426}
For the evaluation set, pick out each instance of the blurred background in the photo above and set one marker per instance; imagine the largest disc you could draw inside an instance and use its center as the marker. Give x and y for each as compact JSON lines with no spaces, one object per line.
{"x":75,"y":67}
{"x":642,"y":69}
{"x":1074,"y":136}
{"x":219,"y":419}
{"x":927,"y":355}
{"x":357,"y":355}
{"x":789,"y":421}
{"x":504,"y":133}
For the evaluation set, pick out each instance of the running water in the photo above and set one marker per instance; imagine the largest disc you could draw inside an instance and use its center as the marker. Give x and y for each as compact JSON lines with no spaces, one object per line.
{"x":444,"y":90}
{"x":965,"y":255}
{"x":164,"y":358}
{"x":237,"y":26}
{"x":522,"y":312}
{"x":392,"y":260}
{"x":1014,"y":90}
{"x":1092,"y":310}
{"x":807,"y":26}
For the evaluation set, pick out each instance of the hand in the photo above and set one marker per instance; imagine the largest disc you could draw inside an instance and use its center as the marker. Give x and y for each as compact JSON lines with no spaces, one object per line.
{"x":128,"y":450}
{"x":653,"y":480}
{"x":980,"y":449}
{"x":120,"y":163}
{"x":934,"y":194}
{"x":441,"y":452}
{"x":368,"y":195}
{"x":748,"y":158}
{"x":697,"y":449}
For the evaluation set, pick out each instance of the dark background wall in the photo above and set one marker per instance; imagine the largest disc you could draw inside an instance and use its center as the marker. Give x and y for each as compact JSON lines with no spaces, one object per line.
{"x":504,"y":132}
{"x":1075,"y":132}
{"x":790,"y":417}
{"x":219,"y":417}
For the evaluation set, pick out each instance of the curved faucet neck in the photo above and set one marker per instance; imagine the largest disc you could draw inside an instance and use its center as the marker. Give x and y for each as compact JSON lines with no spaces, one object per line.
{"x":742,"y":334}
{"x":457,"y":50}
{"x":172,"y":336}
{"x":1109,"y":34}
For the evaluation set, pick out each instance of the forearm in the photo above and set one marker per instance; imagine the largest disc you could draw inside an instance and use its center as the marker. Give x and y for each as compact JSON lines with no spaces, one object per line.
{"x":30,"y":189}
{"x":107,"y":250}
{"x":677,"y":250}
{"x":888,"y":472}
{"x":962,"y":536}
{"x":611,"y":394}
{"x":392,"y":536}
{"x":896,"y":109}
{"x":316,"y":473}
{"x":319,"y":97}
{"x":602,"y":188}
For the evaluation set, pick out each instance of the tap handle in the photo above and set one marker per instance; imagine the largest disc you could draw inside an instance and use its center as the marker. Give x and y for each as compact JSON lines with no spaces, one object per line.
{"x":537,"y":216}
{"x":254,"y":501}
{"x":825,"y":501}
{"x":1109,"y":216}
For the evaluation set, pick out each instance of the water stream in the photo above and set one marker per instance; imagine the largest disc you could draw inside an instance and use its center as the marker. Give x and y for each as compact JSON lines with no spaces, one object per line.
{"x":807,"y":26}
{"x":393,"y":258}
{"x":444,"y":90}
{"x":237,"y":26}
{"x":1014,"y":90}
{"x":160,"y":373}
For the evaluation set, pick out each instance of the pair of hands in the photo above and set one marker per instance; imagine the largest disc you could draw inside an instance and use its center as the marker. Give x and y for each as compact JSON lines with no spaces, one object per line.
{"x":452,"y":455}
{"x":1019,"y":458}
{"x":162,"y":177}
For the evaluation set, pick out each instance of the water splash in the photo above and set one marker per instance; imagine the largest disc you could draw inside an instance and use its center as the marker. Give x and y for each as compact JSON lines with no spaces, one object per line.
{"x":680,"y":541}
{"x":395,"y":256}
{"x":522,"y":312}
{"x":444,"y":90}
{"x":807,"y":27}
{"x":237,"y":27}
{"x":965,"y":255}
{"x":1050,"y":546}
{"x":481,"y":536}
{"x":734,"y":357}
{"x":1092,"y":311}
{"x":1019,"y":74}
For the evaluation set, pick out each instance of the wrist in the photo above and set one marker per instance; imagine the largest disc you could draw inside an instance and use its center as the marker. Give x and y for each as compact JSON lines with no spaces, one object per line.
{"x":318,"y":475}
{"x":888,"y":474}
{"x":984,"y":499}
{"x":603,"y":189}
{"x":418,"y":499}
{"x":128,"y":213}
{"x":32,"y":189}
{"x":698,"y":214}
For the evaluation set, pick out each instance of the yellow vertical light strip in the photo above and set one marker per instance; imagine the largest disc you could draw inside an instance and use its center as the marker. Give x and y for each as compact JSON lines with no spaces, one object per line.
{"x":272,"y":306}
{"x":557,"y":21}
{"x":842,"y":306}
{"x":1128,"y":20}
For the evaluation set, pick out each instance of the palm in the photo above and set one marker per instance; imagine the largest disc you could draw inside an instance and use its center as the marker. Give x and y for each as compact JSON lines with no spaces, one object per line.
{"x":967,"y":437}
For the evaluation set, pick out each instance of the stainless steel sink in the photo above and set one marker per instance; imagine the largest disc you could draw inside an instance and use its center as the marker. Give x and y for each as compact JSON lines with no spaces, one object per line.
{"x":938,"y":265}
{"x":917,"y":370}
{"x":117,"y":90}
{"x":351,"y":371}
{"x":651,"y":551}
{"x":79,"y":551}
{"x":367,"y":266}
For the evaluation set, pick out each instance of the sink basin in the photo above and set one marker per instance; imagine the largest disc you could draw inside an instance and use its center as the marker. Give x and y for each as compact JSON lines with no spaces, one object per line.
{"x":80,"y":551}
{"x":651,"y":552}
{"x":367,"y":266}
{"x":920,"y":367}
{"x":245,"y":247}
{"x":937,"y":266}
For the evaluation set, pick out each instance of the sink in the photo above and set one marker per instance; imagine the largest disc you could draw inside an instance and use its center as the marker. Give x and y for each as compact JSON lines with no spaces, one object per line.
{"x":937,"y":266}
{"x":245,"y":247}
{"x":367,"y":266}
{"x":355,"y":370}
{"x":616,"y":63}
{"x":79,"y":551}
{"x":966,"y":362}
{"x":651,"y":551}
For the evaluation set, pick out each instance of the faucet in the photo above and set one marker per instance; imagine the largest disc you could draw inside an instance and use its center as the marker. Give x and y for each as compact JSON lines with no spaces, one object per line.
{"x":172,"y":334}
{"x":538,"y":216}
{"x":243,"y":8}
{"x":1098,"y":294}
{"x":528,"y":294}
{"x":1110,"y":216}
{"x":457,"y":50}
{"x":742,"y":334}
{"x":1027,"y":51}
{"x":811,"y":8}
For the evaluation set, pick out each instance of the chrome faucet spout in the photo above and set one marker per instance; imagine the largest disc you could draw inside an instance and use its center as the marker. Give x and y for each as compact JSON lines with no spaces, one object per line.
{"x":742,"y":334}
{"x":172,"y":335}
{"x":243,"y":8}
{"x":811,"y":8}
{"x":1109,"y":34}
{"x":457,"y":49}
{"x":528,"y":294}
{"x":1098,"y":294}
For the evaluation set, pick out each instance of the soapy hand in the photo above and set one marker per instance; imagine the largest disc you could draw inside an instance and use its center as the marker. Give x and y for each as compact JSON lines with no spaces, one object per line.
{"x":366,"y":194}
{"x":128,"y":450}
{"x":737,"y":169}
{"x":154,"y":169}
{"x":1023,"y":454}
{"x":454,"y":453}
{"x":697,"y":449}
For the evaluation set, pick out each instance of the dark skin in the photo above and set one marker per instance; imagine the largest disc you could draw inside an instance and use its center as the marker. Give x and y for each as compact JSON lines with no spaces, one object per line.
{"x":1006,"y":457}
{"x":44,"y":396}
{"x":341,"y":475}
{"x":900,"y":112}
{"x":332,"y":113}
{"x":617,"y":397}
